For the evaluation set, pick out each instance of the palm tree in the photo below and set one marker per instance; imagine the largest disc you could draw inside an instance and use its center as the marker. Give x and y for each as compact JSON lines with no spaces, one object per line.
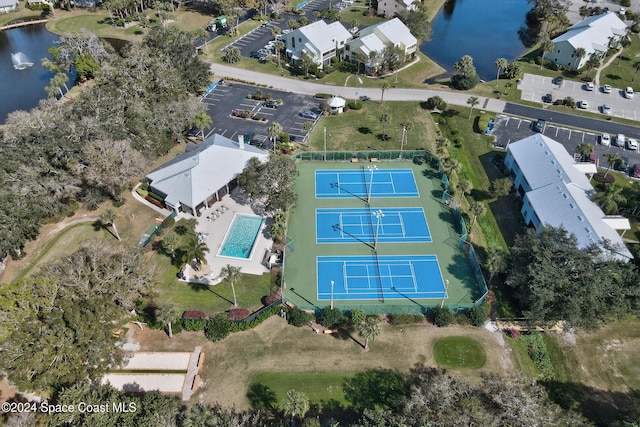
{"x":452,"y":165}
{"x":612,"y":159}
{"x":383,"y":86}
{"x":593,"y":62}
{"x":279,"y":47}
{"x":167,"y":314}
{"x":584,"y":149}
{"x":231,"y":274}
{"x":579,"y":53}
{"x":202,"y":120}
{"x":636,"y":67}
{"x":275,"y":129}
{"x":232,"y":55}
{"x":170,"y":243}
{"x":108,"y":217}
{"x":477,"y":209}
{"x":546,"y":45}
{"x":369,"y":329}
{"x":295,"y":404}
{"x":195,"y":250}
{"x":473,"y":101}
{"x":501,"y":63}
{"x":406,"y":127}
{"x":610,"y":198}
{"x":384,"y":119}
{"x":465,"y":186}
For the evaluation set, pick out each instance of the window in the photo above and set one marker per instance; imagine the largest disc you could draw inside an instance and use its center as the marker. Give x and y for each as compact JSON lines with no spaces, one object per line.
{"x":348,"y":48}
{"x":293,"y":42}
{"x":558,"y":50}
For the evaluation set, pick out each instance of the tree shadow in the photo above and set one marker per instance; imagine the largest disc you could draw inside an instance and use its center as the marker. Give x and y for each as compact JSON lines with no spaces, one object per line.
{"x":450,"y":113}
{"x":375,"y":389}
{"x":613,"y":77}
{"x":262,"y":397}
{"x":383,"y":137}
{"x":198,"y":287}
{"x":480,"y":195}
{"x":364,"y":130}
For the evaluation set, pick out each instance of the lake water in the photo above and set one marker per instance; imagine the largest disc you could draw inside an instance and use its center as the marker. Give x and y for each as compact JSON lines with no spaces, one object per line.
{"x":23,"y":89}
{"x":486,"y":30}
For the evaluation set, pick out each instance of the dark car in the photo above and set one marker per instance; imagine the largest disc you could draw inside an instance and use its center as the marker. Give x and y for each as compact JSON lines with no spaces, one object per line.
{"x":548,"y":98}
{"x":271,"y":104}
{"x":364,"y":98}
{"x":539,"y":125}
{"x":558,"y":80}
{"x":255,"y":54}
{"x":635,"y":170}
{"x":308,"y":114}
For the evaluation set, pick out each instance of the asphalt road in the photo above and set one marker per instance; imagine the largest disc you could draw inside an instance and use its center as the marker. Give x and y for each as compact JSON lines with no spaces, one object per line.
{"x":580,"y":122}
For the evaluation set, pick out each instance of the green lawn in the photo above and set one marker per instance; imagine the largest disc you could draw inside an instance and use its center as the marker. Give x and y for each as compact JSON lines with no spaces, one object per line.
{"x":459,"y":352}
{"x":21,"y":13}
{"x":620,"y":73}
{"x":319,"y":387}
{"x":91,"y":22}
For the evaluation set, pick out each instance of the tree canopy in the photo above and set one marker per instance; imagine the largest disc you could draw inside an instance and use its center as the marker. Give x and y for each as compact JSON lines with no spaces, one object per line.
{"x":270,"y":183}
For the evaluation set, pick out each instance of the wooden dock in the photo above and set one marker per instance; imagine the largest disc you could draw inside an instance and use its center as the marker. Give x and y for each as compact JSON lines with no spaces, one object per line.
{"x":23,"y":24}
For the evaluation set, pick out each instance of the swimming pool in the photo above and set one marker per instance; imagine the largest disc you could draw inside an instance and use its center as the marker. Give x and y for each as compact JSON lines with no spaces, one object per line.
{"x":241,"y":236}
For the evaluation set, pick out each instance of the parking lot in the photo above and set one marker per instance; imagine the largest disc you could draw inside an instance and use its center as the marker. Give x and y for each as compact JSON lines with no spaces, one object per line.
{"x":534,"y":88}
{"x":510,"y":129}
{"x":226,"y":98}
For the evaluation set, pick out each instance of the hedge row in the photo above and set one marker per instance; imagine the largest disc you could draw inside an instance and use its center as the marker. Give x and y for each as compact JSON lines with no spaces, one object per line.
{"x":150,"y":199}
{"x":243,"y":326}
{"x":156,"y":196}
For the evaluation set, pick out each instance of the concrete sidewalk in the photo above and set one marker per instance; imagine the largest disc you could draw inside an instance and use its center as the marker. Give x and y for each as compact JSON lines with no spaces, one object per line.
{"x":308,"y":88}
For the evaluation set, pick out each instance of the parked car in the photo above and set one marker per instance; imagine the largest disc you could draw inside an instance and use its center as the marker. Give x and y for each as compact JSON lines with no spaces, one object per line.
{"x":364,"y":98}
{"x":539,"y":125}
{"x":619,"y":142}
{"x":635,"y":171}
{"x":548,"y":98}
{"x":255,"y":54}
{"x":632,"y":144}
{"x":606,"y":109}
{"x":589,"y":86}
{"x":606,"y":89}
{"x":593,"y":158}
{"x":628,"y":92}
{"x":271,"y":104}
{"x":605,"y":139}
{"x":583,"y":104}
{"x":558,"y":80}
{"x":308,"y":114}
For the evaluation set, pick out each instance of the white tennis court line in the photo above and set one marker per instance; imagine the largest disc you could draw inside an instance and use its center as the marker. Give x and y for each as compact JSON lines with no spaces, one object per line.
{"x":344,"y":273}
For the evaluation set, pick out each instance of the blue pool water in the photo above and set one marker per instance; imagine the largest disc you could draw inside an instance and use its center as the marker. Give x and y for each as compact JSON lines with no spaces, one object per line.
{"x":241,"y":237}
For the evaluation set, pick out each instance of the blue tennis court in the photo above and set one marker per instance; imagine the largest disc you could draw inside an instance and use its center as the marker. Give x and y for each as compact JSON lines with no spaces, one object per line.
{"x":361,"y":225}
{"x":336,"y":184}
{"x":387,"y":277}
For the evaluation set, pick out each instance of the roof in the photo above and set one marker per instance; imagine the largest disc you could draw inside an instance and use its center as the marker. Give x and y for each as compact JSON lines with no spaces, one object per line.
{"x":8,"y":3}
{"x":566,"y":205}
{"x":324,"y":36}
{"x":393,"y":30}
{"x":336,"y":102}
{"x":191,"y":177}
{"x":593,"y":34}
{"x":371,"y":43}
{"x":544,"y":161}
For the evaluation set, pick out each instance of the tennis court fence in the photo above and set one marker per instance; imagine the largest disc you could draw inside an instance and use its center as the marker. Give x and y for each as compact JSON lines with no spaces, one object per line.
{"x":348,"y":156}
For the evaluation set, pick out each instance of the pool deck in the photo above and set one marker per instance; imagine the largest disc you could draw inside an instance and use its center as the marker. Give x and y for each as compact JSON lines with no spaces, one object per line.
{"x":214,"y":232}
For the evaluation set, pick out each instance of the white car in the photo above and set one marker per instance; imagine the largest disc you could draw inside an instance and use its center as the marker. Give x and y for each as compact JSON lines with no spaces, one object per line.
{"x":632,"y":144}
{"x":628,"y":92}
{"x":605,"y":139}
{"x":583,"y":104}
{"x":620,"y":140}
{"x":589,"y":86}
{"x":606,"y":109}
{"x":606,"y":89}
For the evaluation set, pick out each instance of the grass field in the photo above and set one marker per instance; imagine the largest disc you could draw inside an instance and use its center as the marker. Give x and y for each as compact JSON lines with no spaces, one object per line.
{"x":620,"y":73}
{"x":319,"y":387}
{"x":459,"y":353}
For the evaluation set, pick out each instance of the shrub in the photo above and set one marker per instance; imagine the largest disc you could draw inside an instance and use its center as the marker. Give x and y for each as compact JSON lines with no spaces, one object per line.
{"x":514,"y":333}
{"x":323,"y":95}
{"x":239,"y":313}
{"x":144,"y":185}
{"x":284,"y":137}
{"x":355,"y":105}
{"x":405,"y":319}
{"x":243,"y":325}
{"x":143,"y":193}
{"x":271,"y":298}
{"x":217,"y":328}
{"x":330,"y":318}
{"x":483,"y":121}
{"x":357,"y":316}
{"x":170,"y":223}
{"x":299,"y":317}
{"x":635,"y":28}
{"x":150,"y":199}
{"x":320,"y":74}
{"x":625,"y":3}
{"x":156,"y":196}
{"x":442,"y":316}
{"x":477,"y":316}
{"x":194,"y":324}
{"x":461,"y":319}
{"x":436,"y":102}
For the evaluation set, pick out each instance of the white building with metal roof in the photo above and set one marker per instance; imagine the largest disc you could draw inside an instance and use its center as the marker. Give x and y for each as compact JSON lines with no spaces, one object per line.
{"x":556,"y":193}
{"x":391,"y":7}
{"x":203,"y":174}
{"x":318,"y":40}
{"x":596,"y":35}
{"x":8,"y":5}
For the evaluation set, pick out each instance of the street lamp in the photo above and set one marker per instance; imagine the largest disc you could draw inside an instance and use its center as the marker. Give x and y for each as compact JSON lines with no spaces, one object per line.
{"x":404,"y":136}
{"x":324,"y":157}
{"x":446,"y":292}
{"x":332,"y":295}
{"x":379,"y":215}
{"x":371,"y":168}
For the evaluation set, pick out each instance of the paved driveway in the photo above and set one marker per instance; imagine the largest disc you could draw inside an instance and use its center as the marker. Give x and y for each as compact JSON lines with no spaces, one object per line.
{"x":510,"y":129}
{"x":535,"y":87}
{"x":222,"y":100}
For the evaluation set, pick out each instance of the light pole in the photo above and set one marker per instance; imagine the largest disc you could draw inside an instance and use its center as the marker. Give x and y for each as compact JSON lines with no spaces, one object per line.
{"x":324,"y":157}
{"x":404,"y":136}
{"x":446,"y":292}
{"x":371,"y":168}
{"x":332,"y":295}
{"x":379,"y":215}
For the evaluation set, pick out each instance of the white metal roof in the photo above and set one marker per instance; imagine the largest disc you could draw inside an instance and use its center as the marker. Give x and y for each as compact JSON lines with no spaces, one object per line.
{"x":393,"y":30}
{"x":593,"y":34}
{"x":544,"y":161}
{"x":193,"y":176}
{"x":324,"y":37}
{"x":566,"y":205}
{"x":370,"y":43}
